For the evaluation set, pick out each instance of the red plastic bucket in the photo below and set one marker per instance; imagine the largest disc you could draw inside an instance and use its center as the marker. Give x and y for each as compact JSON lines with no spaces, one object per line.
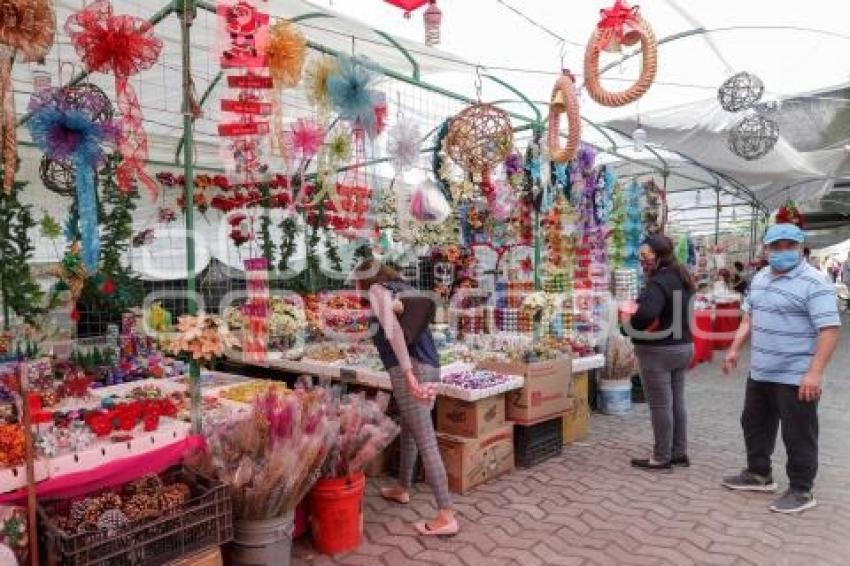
{"x":337,"y":513}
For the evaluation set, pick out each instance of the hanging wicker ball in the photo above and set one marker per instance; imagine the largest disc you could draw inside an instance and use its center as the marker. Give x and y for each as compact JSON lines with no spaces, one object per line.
{"x":753,"y":137}
{"x":740,"y":91}
{"x":480,"y":137}
{"x":90,"y":100}
{"x":58,"y":177}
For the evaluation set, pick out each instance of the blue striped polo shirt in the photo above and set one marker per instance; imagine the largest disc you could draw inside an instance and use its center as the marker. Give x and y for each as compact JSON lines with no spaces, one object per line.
{"x":787,"y":312}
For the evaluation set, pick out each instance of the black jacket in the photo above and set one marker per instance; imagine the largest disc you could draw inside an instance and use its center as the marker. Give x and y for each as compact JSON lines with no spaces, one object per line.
{"x":666,"y":304}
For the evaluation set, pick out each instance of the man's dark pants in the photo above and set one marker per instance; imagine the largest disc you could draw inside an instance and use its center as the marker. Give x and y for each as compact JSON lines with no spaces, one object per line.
{"x":769,"y":405}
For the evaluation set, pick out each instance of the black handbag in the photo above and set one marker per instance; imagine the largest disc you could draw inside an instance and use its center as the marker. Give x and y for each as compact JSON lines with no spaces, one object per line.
{"x":417,"y":313}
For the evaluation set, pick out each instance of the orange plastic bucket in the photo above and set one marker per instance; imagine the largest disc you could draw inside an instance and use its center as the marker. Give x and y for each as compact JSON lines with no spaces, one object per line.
{"x":337,"y":513}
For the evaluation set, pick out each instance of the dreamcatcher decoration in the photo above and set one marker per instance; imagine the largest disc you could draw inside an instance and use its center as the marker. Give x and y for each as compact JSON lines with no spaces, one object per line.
{"x":27,"y":28}
{"x":755,"y":135}
{"x":58,"y":176}
{"x":655,"y":208}
{"x":246,"y":110}
{"x":620,"y":25}
{"x":70,"y":136}
{"x":123,"y":46}
{"x":286,"y":51}
{"x":564,"y":101}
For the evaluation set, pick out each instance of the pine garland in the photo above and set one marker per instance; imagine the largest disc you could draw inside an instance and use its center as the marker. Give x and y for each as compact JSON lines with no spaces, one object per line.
{"x":21,"y":294}
{"x":115,"y":288}
{"x":265,"y":226}
{"x":288,"y":241}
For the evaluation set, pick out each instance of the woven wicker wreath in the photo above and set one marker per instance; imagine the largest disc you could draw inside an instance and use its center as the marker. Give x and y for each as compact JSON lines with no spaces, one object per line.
{"x":564,"y":100}
{"x":621,"y":25}
{"x":480,"y":137}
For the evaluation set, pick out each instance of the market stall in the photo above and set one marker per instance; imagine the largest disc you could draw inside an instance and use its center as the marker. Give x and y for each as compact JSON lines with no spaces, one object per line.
{"x":136,"y":256}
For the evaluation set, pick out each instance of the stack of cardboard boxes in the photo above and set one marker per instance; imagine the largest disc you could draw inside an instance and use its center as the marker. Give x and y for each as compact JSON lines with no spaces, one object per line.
{"x":543,"y":399}
{"x":475,"y":440}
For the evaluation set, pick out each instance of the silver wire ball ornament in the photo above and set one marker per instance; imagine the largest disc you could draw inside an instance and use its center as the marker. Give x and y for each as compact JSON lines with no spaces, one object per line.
{"x":753,"y":137}
{"x":740,"y":91}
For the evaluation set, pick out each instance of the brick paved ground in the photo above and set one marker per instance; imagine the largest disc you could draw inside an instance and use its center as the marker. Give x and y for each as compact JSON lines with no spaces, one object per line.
{"x":590,"y":507}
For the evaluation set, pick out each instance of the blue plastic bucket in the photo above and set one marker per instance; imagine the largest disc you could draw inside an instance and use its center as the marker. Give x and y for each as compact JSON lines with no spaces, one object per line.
{"x":615,"y":396}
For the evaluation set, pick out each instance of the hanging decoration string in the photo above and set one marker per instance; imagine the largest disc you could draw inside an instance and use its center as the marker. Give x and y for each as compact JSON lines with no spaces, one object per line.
{"x":27,"y":27}
{"x":124,"y":46}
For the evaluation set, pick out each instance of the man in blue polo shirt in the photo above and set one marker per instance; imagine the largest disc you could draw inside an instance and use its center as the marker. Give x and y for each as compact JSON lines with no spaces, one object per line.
{"x":792,"y":316}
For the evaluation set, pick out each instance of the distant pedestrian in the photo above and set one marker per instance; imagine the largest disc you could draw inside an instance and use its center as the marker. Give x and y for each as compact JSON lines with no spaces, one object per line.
{"x":792,"y":318}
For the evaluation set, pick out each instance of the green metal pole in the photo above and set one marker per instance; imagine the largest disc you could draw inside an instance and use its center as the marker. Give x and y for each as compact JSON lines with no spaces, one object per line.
{"x":717,"y":220}
{"x":186,"y":10}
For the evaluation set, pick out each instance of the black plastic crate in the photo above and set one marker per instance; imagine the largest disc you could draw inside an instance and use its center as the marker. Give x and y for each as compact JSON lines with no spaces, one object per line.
{"x":537,"y":443}
{"x":205,"y":521}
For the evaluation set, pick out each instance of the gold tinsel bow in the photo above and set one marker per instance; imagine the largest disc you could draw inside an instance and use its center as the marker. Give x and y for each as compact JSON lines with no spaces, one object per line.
{"x":27,"y":26}
{"x":286,"y":50}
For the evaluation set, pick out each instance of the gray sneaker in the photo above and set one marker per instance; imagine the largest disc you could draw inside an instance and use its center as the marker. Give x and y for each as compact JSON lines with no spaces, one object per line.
{"x":748,"y":481}
{"x":793,"y":501}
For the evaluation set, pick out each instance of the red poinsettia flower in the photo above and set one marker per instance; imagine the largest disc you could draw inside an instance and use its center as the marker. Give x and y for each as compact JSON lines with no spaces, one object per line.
{"x":237,"y":219}
{"x":526,"y":265}
{"x":221,"y":182}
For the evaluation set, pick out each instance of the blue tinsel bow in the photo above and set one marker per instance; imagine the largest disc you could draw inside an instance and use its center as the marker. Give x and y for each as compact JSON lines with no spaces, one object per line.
{"x":350,"y":92}
{"x":70,"y":137}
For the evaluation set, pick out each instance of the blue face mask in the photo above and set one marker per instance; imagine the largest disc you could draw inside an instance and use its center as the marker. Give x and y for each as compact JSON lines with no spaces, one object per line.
{"x":785,"y":260}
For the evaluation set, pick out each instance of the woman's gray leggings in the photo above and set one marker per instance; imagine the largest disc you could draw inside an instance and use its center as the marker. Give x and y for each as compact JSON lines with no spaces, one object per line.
{"x":418,"y":436}
{"x":662,"y":373}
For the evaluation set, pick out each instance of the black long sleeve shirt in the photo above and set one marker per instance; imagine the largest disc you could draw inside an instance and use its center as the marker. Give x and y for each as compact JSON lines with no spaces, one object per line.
{"x":665,"y":306}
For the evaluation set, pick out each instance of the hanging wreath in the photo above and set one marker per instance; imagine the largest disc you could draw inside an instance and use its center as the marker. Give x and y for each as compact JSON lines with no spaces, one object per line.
{"x":480,"y":137}
{"x":124,"y":46}
{"x":620,"y":25}
{"x":564,"y":100}
{"x":26,"y":27}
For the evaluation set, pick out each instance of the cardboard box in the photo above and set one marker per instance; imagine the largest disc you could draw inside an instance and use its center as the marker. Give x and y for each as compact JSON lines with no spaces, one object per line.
{"x":544,"y":395}
{"x":209,"y":557}
{"x":470,"y":419}
{"x":473,"y":461}
{"x":580,"y":385}
{"x":577,"y":417}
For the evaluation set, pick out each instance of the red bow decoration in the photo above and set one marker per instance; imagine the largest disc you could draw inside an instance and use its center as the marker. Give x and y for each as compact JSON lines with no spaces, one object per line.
{"x":613,"y":22}
{"x":122,"y":45}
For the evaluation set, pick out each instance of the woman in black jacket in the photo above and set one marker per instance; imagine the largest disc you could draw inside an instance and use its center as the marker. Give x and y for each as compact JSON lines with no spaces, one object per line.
{"x":661,"y":332}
